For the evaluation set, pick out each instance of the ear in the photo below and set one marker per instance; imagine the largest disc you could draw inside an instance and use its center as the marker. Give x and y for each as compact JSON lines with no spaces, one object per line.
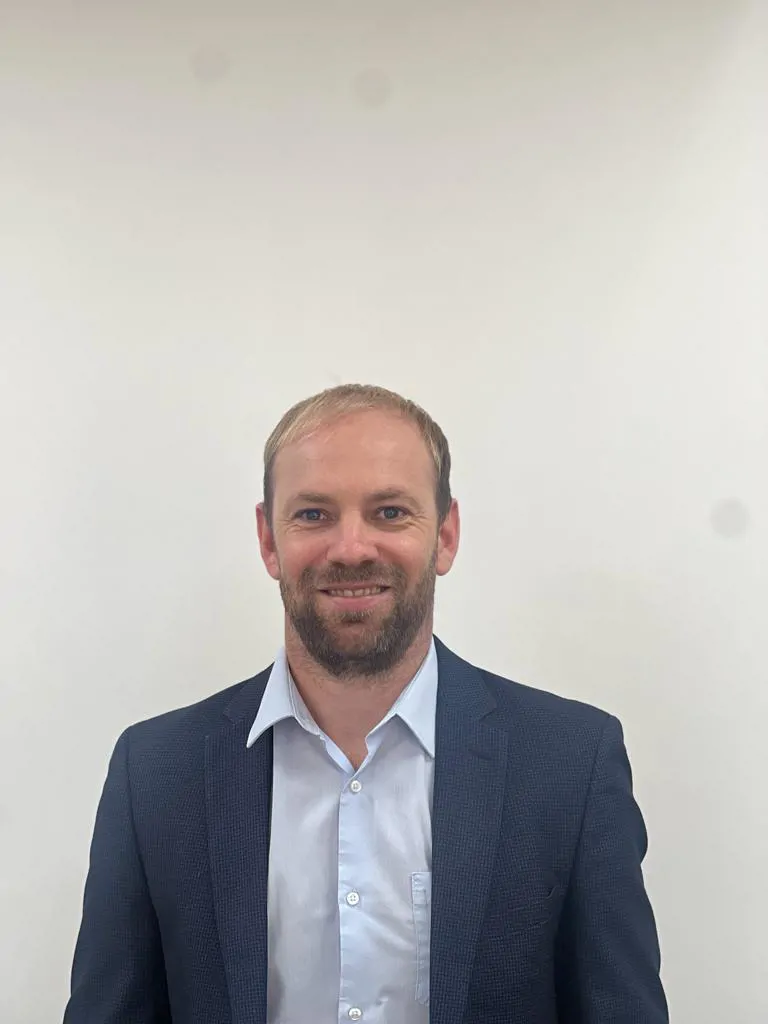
{"x":267,"y":543}
{"x":448,"y":540}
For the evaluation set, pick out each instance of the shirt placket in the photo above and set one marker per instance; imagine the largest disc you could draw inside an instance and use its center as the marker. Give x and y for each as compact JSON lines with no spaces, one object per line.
{"x":354,"y":868}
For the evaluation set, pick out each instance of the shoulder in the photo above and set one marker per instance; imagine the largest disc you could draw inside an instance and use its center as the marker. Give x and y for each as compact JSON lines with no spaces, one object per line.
{"x":181,"y":732}
{"x":557,"y":728}
{"x":542,"y":720}
{"x":561,"y":741}
{"x":515,"y":698}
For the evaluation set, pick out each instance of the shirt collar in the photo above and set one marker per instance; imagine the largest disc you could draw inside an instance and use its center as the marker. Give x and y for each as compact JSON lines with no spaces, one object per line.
{"x":415,"y":706}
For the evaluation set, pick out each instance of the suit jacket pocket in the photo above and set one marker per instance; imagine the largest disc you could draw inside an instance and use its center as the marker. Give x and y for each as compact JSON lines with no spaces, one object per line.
{"x":533,"y":912}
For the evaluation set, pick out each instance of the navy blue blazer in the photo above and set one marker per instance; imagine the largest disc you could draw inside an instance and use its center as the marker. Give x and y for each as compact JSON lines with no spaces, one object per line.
{"x":539,"y":912}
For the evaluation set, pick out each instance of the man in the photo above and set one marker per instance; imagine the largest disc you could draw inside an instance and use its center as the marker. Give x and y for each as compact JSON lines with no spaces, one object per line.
{"x":371,"y":829}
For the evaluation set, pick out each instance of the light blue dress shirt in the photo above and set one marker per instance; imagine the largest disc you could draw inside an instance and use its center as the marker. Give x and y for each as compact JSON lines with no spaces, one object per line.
{"x":350,"y":861}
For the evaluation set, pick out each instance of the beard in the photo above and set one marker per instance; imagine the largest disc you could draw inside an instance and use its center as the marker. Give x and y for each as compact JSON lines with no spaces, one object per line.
{"x":374,"y":649}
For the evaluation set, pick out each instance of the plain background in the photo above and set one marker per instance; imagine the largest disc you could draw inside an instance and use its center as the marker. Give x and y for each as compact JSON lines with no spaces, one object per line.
{"x":546,"y":222}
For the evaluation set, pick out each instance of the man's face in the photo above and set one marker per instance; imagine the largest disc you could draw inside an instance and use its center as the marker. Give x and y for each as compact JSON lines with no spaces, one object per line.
{"x":355,"y":542}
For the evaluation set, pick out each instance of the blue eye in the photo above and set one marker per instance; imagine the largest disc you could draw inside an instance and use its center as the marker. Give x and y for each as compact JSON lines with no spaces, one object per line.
{"x":392,"y":508}
{"x":312,"y":512}
{"x":389,"y":513}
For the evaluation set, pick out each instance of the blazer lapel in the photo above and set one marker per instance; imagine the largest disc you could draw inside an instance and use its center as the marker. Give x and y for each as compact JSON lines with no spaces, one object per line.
{"x":238,"y":793}
{"x":470,"y":769}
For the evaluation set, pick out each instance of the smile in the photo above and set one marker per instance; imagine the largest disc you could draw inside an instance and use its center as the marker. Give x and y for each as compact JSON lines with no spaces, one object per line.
{"x":357,"y":592}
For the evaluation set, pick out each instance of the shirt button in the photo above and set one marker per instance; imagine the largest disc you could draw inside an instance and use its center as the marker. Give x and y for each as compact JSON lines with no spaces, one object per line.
{"x":355,"y":1013}
{"x":353,"y":898}
{"x":355,"y":786}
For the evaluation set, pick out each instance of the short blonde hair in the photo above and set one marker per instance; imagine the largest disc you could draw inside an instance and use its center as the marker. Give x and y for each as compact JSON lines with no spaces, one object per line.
{"x":304,"y":417}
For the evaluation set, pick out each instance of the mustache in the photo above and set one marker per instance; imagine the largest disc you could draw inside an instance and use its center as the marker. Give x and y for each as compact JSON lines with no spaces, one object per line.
{"x":349,"y":576}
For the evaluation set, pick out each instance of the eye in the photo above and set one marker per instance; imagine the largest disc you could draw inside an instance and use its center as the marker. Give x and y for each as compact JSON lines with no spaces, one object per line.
{"x":399,"y":513}
{"x":310,"y":515}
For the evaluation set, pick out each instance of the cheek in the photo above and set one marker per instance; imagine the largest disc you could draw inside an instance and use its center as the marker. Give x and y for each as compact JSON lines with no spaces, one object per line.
{"x":297,"y":555}
{"x":408,"y":556}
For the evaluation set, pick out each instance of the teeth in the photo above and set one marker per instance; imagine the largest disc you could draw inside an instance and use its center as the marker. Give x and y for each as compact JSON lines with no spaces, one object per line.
{"x":366,"y":592}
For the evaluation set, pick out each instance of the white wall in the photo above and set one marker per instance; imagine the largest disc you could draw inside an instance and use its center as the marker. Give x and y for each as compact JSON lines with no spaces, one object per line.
{"x":547,"y":222}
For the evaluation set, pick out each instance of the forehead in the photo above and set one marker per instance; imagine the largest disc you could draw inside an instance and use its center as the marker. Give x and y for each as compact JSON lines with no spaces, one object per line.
{"x":366,"y":451}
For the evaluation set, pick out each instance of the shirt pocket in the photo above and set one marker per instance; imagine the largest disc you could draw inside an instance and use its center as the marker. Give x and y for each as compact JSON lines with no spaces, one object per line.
{"x":421,"y":901}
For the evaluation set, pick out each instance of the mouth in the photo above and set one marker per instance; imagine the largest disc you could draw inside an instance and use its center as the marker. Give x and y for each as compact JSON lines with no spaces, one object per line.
{"x":355,"y":597}
{"x":354,"y":591}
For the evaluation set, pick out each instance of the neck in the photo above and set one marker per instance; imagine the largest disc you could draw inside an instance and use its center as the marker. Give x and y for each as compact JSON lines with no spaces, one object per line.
{"x":347,"y":709}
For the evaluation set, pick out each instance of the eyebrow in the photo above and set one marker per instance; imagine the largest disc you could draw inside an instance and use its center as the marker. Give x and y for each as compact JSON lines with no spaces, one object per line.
{"x":318,"y":498}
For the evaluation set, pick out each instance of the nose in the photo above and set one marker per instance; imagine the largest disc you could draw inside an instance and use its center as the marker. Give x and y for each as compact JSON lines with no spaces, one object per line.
{"x":352,"y":541}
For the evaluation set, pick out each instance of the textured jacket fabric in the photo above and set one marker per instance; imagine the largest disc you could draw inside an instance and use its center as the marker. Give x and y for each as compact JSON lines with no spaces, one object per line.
{"x":539,"y":911}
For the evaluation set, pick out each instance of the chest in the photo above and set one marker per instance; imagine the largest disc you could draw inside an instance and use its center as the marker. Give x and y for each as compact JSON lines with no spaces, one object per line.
{"x":349,"y":879}
{"x":372,"y":826}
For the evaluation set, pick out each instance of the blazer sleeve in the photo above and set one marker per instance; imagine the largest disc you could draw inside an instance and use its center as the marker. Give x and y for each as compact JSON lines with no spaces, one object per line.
{"x":607,"y":953}
{"x":118,"y":974}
